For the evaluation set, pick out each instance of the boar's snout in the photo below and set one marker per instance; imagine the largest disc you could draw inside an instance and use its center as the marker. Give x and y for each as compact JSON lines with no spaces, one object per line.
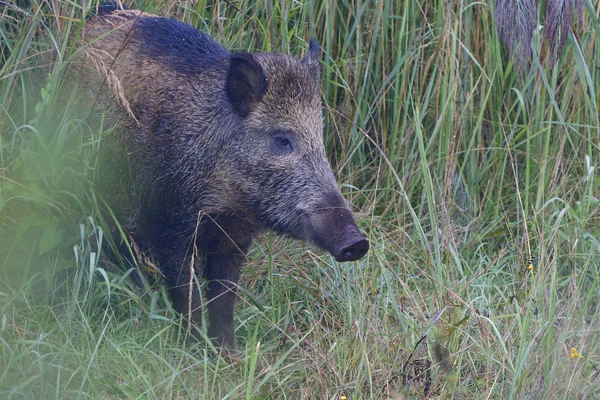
{"x":352,"y":252}
{"x":332,"y":227}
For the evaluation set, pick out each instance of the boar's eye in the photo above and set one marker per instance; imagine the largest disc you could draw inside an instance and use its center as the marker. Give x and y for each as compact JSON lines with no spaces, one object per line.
{"x":282,"y":145}
{"x":283,"y":142}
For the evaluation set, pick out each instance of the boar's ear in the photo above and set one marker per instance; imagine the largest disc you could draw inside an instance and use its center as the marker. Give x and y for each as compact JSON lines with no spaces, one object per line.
{"x":313,"y":58}
{"x":246,"y":83}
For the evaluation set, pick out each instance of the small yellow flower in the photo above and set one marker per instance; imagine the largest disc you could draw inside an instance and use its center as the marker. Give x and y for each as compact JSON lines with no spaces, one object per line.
{"x":342,"y":397}
{"x":530,"y":267}
{"x":574,"y":353}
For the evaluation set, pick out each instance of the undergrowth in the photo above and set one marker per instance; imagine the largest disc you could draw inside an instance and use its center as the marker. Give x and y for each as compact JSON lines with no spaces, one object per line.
{"x":477,"y":186}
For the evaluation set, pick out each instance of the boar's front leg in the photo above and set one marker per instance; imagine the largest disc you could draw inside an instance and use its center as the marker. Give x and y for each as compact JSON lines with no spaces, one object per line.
{"x":183,"y":291}
{"x":222,"y":271}
{"x":170,"y":235}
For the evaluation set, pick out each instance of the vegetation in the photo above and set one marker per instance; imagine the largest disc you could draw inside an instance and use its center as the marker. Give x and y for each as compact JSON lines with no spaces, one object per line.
{"x":477,"y":185}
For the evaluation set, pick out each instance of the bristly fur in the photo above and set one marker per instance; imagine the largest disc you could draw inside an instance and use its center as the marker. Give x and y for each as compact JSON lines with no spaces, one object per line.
{"x":209,"y":148}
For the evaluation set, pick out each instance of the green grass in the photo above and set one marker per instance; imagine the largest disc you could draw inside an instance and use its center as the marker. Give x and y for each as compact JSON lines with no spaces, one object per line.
{"x":460,"y":171}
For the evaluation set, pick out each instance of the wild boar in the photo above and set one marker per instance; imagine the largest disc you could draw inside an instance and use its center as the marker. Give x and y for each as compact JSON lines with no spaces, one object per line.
{"x":209,"y":148}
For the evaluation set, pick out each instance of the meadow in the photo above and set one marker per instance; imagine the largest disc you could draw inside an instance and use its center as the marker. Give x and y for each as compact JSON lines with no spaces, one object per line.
{"x":475,"y":180}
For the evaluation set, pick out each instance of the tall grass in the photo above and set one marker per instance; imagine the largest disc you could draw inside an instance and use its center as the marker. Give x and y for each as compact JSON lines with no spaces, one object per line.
{"x":478,"y":188}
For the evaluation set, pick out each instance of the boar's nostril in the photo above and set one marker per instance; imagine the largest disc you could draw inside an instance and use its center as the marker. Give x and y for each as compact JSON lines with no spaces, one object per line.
{"x":353,"y":252}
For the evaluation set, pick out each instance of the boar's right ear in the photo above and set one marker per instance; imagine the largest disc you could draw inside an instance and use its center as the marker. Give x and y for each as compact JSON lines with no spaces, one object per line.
{"x":313,"y":58}
{"x":246,"y":83}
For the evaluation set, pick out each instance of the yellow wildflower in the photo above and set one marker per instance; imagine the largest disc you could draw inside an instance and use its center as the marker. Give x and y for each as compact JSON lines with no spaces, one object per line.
{"x":530,"y":263}
{"x":574,"y":353}
{"x":530,"y":267}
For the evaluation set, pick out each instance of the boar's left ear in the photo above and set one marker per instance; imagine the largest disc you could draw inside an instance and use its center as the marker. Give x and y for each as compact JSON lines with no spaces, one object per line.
{"x":245,"y":84}
{"x":313,"y":58}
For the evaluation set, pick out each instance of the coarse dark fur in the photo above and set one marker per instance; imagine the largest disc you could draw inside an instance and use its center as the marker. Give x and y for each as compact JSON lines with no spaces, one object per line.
{"x":209,"y":148}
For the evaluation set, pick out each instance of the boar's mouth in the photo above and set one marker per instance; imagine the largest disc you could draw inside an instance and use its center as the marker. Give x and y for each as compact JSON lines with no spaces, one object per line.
{"x":332,"y":227}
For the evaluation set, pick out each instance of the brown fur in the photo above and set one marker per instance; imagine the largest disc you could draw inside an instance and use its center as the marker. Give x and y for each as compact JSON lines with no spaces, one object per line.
{"x":209,"y":148}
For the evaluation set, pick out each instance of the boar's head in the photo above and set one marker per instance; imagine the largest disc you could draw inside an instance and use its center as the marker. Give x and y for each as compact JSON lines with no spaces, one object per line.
{"x":277,"y":153}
